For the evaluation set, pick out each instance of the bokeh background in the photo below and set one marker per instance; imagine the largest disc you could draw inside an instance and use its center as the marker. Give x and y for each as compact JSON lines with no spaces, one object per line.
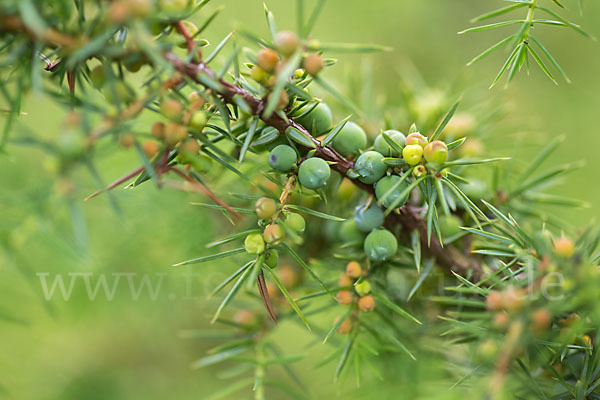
{"x":134,"y":349}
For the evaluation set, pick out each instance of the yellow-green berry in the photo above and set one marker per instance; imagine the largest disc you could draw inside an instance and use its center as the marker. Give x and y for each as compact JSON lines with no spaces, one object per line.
{"x":273,"y":234}
{"x":363,"y":288}
{"x":265,"y":207}
{"x":412,"y":154}
{"x":254,"y":243}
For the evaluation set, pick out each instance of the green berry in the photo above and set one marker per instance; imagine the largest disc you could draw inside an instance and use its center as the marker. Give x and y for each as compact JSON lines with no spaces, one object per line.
{"x":436,"y":152}
{"x":363,"y":288}
{"x":368,"y":219}
{"x":272,"y":258}
{"x":449,"y":225}
{"x":380,"y":245}
{"x":97,"y":76}
{"x":273,"y":234}
{"x":349,"y":232}
{"x":381,"y":145}
{"x":198,"y":120}
{"x":283,"y":158}
{"x":416,"y":138}
{"x":254,"y":243}
{"x":412,"y":154}
{"x":287,"y":42}
{"x":350,"y":139}
{"x":388,"y":183}
{"x":296,"y":222}
{"x":320,"y":117}
{"x":370,"y":167}
{"x":265,"y":207}
{"x":258,"y":74}
{"x":173,"y":6}
{"x":171,"y":109}
{"x":313,"y":173}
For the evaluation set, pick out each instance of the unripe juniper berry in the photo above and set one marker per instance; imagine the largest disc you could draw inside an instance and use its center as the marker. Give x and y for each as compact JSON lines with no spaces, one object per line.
{"x":258,"y":74}
{"x":267,"y":59}
{"x":296,"y":222}
{"x":412,"y":154}
{"x":345,"y":280}
{"x":282,"y":158}
{"x":363,"y":288}
{"x":171,"y":109}
{"x":273,"y":234}
{"x":246,"y":319}
{"x":127,"y":140}
{"x":384,"y":185}
{"x":313,"y":64}
{"x":174,"y":133}
{"x":350,"y":139}
{"x":320,"y":117}
{"x":564,"y":247}
{"x":381,"y":145}
{"x":366,"y":303}
{"x":353,"y":270}
{"x":198,"y":120}
{"x":495,"y":301}
{"x":368,"y":219}
{"x":188,"y":149}
{"x":265,"y":207}
{"x":349,"y":232}
{"x":380,"y":245}
{"x":344,"y":297}
{"x":419,"y":171}
{"x":272,"y":258}
{"x":158,"y":130}
{"x":254,"y":243}
{"x":416,"y":138}
{"x":436,"y":152}
{"x":345,"y":327}
{"x":97,"y":76}
{"x":313,"y":173}
{"x":150,"y":148}
{"x":370,"y":167}
{"x":287,"y":42}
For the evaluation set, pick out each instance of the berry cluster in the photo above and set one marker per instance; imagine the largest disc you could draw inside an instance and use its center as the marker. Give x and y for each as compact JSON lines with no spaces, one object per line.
{"x":355,"y":291}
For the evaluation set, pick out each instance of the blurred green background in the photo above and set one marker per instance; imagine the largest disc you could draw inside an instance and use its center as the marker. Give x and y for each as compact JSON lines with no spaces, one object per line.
{"x":131,"y":349}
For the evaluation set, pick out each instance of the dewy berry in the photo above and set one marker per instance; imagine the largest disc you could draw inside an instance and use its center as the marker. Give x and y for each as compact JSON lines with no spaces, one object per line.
{"x":412,"y":154}
{"x":267,"y":59}
{"x":416,"y":138}
{"x":370,"y":167}
{"x":318,"y":120}
{"x":97,"y":76}
{"x":348,"y":232}
{"x":380,"y":245}
{"x":254,"y":243}
{"x":368,"y":219}
{"x":287,"y":42}
{"x":296,"y":222}
{"x":384,"y":185}
{"x":313,"y":173}
{"x":282,"y":158}
{"x":381,"y":145}
{"x":273,"y":234}
{"x":436,"y":152}
{"x":350,"y":139}
{"x":366,"y":303}
{"x":265,"y":207}
{"x":353,"y":270}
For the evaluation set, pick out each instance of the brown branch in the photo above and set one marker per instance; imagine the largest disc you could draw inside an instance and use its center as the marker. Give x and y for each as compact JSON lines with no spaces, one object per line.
{"x":13,"y":23}
{"x":408,"y":217}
